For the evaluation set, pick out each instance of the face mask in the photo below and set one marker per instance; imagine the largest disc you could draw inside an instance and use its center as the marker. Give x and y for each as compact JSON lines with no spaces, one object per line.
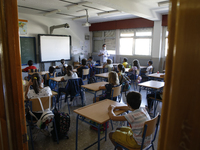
{"x":104,"y":48}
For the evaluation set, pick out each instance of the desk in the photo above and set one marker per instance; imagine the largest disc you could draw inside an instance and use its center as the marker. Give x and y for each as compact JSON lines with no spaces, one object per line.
{"x":42,"y":73}
{"x":143,"y":67}
{"x":98,"y":68}
{"x":116,"y":64}
{"x":102,"y":75}
{"x":157,"y":75}
{"x":94,"y":87}
{"x":155,"y":85}
{"x":74,"y":70}
{"x":127,"y":69}
{"x":97,"y":112}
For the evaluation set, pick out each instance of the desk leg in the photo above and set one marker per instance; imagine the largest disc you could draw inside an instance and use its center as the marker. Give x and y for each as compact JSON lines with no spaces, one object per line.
{"x":106,"y":130}
{"x":99,"y":136}
{"x":77,"y":132}
{"x":155,"y":106}
{"x":95,"y":95}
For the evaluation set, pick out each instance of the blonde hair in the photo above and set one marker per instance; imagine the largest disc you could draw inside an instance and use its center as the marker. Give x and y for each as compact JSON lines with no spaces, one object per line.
{"x":113,"y":78}
{"x":109,"y":61}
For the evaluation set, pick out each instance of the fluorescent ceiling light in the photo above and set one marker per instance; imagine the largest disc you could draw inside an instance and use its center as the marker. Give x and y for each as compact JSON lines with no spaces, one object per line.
{"x":80,"y":17}
{"x":51,"y":12}
{"x":163,"y":4}
{"x":78,"y":4}
{"x":108,"y":12}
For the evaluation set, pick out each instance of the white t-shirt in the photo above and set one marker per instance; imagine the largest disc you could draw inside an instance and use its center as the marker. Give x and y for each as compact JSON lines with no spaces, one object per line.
{"x":110,"y":67}
{"x":148,"y":69}
{"x":46,"y":91}
{"x":104,"y":57}
{"x":66,"y":77}
{"x":61,"y":65}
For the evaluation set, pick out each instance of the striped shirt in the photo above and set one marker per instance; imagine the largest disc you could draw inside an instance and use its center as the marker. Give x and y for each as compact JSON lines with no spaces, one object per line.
{"x":137,"y":118}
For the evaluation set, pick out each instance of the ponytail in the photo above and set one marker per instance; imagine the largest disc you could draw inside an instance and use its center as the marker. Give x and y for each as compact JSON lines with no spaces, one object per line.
{"x":69,"y":70}
{"x":36,"y":79}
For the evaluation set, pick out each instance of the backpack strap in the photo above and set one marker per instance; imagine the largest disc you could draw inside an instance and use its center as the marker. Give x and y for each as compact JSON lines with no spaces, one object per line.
{"x":41,"y":104}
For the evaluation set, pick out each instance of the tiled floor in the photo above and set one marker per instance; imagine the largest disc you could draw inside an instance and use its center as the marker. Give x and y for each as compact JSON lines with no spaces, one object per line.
{"x":86,"y":135}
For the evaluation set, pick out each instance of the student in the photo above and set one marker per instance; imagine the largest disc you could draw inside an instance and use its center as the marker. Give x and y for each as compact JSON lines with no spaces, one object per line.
{"x":125,"y":63}
{"x":121,"y":71}
{"x":113,"y":81}
{"x":103,"y":54}
{"x":149,"y":68}
{"x":51,"y":74}
{"x":135,"y":70}
{"x":80,"y":68}
{"x":130,"y":136}
{"x":69,"y":73}
{"x":30,"y":63}
{"x":108,"y":65}
{"x":90,"y":62}
{"x":62,"y":66}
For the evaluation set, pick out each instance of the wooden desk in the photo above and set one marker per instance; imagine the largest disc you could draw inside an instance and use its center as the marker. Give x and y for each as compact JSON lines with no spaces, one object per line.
{"x":94,"y":87}
{"x":143,"y":67}
{"x":57,"y":79}
{"x":99,"y":67}
{"x":97,"y":112}
{"x":127,"y":69}
{"x":74,"y":70}
{"x":155,"y":85}
{"x":102,"y":75}
{"x":42,"y":73}
{"x":157,"y":75}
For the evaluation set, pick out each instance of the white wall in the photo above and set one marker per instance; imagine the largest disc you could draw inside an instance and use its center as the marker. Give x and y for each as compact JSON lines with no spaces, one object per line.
{"x":40,"y":25}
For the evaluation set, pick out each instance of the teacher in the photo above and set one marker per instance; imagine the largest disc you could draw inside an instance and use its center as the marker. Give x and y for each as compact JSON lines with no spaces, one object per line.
{"x":103,"y":54}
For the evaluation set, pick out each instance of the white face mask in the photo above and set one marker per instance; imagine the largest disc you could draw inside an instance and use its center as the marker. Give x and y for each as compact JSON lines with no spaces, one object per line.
{"x":104,"y":48}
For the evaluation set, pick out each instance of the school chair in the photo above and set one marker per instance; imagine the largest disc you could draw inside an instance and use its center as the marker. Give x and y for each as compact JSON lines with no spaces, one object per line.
{"x":33,"y":105}
{"x":150,"y":127}
{"x":85,"y":75}
{"x":71,"y":90}
{"x":116,"y":91}
{"x":48,"y":81}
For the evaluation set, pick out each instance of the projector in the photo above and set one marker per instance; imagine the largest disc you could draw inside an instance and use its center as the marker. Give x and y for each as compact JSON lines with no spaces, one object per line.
{"x":87,"y":24}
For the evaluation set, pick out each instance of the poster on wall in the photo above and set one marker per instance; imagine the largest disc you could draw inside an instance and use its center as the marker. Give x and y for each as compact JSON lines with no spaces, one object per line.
{"x":22,"y":26}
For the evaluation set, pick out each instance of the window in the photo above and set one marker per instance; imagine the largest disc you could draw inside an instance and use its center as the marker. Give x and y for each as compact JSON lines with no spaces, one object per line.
{"x":104,"y":37}
{"x":166,"y":43}
{"x":135,"y":41}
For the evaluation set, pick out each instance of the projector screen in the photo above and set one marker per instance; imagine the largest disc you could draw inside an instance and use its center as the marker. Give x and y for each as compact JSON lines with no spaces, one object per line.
{"x":54,"y":47}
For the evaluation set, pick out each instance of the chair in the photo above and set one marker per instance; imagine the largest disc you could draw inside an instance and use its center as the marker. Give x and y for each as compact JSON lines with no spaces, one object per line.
{"x":86,"y":73}
{"x":149,"y":128}
{"x":34,"y":106}
{"x":73,"y":88}
{"x":47,"y":79}
{"x":116,"y":91}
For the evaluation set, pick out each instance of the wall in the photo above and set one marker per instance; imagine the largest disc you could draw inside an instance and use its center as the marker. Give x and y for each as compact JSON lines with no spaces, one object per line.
{"x":155,"y":53}
{"x":40,"y":25}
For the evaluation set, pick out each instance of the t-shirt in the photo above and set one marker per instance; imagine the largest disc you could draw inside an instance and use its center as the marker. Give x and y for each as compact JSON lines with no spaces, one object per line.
{"x":135,"y":69}
{"x":66,"y":77}
{"x":29,"y":67}
{"x":148,"y":70}
{"x":91,"y":63}
{"x":137,"y":118}
{"x":109,"y":67}
{"x":103,"y":58}
{"x":125,"y":64}
{"x":44,"y":92}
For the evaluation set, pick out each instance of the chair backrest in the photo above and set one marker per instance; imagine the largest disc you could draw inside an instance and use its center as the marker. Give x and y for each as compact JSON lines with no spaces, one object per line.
{"x":33,"y":70}
{"x":151,"y":71}
{"x":86,"y":71}
{"x":36,"y":104}
{"x":116,"y":91}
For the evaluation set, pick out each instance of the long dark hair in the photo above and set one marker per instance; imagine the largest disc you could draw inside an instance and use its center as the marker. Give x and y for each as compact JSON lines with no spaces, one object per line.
{"x":68,"y":70}
{"x":36,"y":80}
{"x":121,"y":68}
{"x":136,"y":63}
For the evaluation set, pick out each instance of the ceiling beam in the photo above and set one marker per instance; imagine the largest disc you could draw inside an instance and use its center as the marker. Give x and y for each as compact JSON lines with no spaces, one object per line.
{"x":131,"y":7}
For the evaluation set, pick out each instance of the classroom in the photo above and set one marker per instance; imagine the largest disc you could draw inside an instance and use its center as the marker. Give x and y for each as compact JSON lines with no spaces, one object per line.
{"x":109,"y":52}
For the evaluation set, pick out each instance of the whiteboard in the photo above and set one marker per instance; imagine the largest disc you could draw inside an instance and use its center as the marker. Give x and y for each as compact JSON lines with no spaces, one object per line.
{"x":54,"y":47}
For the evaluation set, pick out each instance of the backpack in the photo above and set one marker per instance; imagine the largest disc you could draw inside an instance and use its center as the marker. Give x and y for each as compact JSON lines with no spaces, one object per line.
{"x":62,"y":121}
{"x":102,"y":126}
{"x":92,"y":80}
{"x":126,"y":83}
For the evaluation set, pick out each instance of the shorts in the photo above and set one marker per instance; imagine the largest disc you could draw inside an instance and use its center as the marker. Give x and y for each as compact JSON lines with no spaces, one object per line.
{"x":124,"y":136}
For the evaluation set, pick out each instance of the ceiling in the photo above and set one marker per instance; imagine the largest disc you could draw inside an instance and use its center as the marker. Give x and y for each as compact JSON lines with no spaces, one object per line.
{"x":70,"y":9}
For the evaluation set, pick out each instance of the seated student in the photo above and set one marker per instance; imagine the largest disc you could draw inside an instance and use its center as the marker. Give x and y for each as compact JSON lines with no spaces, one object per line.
{"x":30,"y":63}
{"x":113,"y":81}
{"x":81,"y":67}
{"x":149,"y":68}
{"x":125,"y":63}
{"x":90,"y":62}
{"x":62,"y":66}
{"x":135,"y":70}
{"x":130,"y":136}
{"x":51,"y":74}
{"x":108,"y":65}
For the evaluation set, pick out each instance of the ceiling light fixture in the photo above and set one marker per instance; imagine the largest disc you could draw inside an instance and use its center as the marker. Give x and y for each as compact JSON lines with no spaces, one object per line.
{"x":66,"y":25}
{"x":78,"y":4}
{"x":108,"y":12}
{"x":163,"y":4}
{"x":79,"y":17}
{"x":51,"y":12}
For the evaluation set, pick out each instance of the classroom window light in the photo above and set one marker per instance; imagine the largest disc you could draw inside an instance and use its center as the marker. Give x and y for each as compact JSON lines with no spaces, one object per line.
{"x":143,"y":47}
{"x":144,"y":33}
{"x":166,"y":46}
{"x":126,"y":46}
{"x":126,"y":34}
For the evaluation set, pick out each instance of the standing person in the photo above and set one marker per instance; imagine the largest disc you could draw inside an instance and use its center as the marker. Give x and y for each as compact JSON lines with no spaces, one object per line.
{"x":30,"y":63}
{"x":130,"y":136}
{"x":103,"y":54}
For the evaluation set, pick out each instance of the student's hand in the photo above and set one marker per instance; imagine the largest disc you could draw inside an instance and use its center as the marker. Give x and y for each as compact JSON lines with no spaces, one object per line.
{"x":62,"y":79}
{"x":30,"y":82}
